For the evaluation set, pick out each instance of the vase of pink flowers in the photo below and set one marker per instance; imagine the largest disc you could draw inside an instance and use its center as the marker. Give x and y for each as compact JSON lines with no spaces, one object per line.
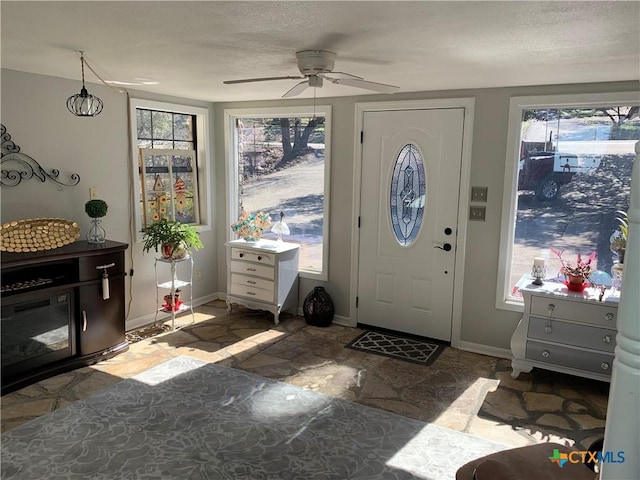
{"x":250,"y":226}
{"x":576,"y":274}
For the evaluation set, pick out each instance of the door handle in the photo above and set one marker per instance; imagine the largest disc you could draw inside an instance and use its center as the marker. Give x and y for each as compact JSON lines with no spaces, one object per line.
{"x":446,"y":247}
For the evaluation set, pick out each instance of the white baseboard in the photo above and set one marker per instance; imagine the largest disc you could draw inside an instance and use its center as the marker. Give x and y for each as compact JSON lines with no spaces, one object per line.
{"x":344,"y":321}
{"x":485,"y":350}
{"x":141,"y":322}
{"x":145,"y":320}
{"x":337,"y":319}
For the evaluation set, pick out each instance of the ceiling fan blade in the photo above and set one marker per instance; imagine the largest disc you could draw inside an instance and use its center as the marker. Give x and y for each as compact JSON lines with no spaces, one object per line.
{"x":297,"y":89}
{"x":376,"y":87}
{"x":338,"y":75}
{"x":265,"y":79}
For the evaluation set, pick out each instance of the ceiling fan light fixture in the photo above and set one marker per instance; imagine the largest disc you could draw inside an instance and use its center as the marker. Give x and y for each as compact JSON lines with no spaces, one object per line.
{"x":316,"y":66}
{"x":84,"y":104}
{"x":311,"y":62}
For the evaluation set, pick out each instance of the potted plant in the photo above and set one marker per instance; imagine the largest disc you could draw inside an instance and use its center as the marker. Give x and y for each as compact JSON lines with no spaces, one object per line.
{"x":619,"y":238}
{"x":172,"y":302}
{"x":173,"y":239}
{"x":576,"y":275}
{"x":96,"y":209}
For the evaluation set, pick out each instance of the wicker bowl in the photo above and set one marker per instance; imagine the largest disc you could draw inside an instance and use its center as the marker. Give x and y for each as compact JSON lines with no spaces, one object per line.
{"x":37,"y":234}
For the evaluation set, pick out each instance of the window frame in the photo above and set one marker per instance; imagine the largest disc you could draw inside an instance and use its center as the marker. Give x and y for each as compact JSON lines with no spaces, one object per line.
{"x":510,"y":189}
{"x":203,"y":152}
{"x":230,"y":116}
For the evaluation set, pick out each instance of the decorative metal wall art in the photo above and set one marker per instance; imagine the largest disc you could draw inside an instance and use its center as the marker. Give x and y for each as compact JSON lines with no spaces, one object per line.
{"x":17,"y":166}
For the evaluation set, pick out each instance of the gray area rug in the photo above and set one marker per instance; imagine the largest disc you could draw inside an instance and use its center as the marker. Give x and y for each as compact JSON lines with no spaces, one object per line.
{"x":409,"y":349}
{"x":186,"y":419}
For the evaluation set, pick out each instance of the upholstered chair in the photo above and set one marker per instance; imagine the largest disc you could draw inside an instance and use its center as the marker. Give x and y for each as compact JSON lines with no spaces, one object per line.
{"x":532,"y":462}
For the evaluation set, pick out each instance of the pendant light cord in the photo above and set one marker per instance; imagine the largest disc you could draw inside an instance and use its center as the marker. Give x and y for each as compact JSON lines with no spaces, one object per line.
{"x":83,"y":61}
{"x":82,"y":67}
{"x":315,"y":89}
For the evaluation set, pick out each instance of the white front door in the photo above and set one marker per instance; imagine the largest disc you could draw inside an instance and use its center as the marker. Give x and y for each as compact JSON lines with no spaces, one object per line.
{"x":410,"y":186}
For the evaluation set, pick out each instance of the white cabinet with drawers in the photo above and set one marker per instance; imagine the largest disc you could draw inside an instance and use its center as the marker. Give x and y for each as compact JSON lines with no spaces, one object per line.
{"x":565,"y":331}
{"x":263,"y":276}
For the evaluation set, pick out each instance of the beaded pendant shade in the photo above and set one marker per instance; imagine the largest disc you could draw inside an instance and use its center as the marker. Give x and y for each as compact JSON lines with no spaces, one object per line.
{"x":84,"y":104}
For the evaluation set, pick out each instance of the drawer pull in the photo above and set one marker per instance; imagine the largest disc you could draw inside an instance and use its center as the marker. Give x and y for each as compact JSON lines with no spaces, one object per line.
{"x":251,"y":269}
{"x":251,"y":293}
{"x":609,"y":316}
{"x":259,"y":257}
{"x":251,"y":282}
{"x":241,"y":255}
{"x":546,"y":353}
{"x":604,"y":365}
{"x":548,"y":329}
{"x":606,"y":339}
{"x":551,"y":307}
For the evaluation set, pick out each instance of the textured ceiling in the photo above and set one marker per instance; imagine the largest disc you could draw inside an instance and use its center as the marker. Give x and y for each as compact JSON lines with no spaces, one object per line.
{"x":189,"y":48}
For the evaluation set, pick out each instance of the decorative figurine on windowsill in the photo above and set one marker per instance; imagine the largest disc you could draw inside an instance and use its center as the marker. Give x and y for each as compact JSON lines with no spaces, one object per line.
{"x":280,"y":228}
{"x":539,"y":270}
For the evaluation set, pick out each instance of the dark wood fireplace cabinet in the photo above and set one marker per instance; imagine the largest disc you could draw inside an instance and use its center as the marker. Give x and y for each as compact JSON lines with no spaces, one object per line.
{"x":61,"y":309}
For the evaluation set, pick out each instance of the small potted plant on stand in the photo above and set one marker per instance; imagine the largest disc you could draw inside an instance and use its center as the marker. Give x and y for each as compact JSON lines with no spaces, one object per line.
{"x":96,"y":209}
{"x":172,"y":302}
{"x":173,"y":239}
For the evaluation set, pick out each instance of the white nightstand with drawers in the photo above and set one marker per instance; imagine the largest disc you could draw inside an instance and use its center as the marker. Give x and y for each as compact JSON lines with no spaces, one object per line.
{"x":263,"y":276}
{"x":565,"y":331}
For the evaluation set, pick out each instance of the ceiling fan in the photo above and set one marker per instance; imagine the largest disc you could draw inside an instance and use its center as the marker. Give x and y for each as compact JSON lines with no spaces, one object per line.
{"x":315,"y":67}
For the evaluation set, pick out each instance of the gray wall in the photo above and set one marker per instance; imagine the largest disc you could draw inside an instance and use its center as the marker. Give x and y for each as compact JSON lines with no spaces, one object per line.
{"x":482,"y":323}
{"x":33,"y":110}
{"x":35,"y":114}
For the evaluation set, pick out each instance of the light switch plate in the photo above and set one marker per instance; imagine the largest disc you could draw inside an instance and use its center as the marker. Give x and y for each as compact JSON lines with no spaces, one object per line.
{"x":479,"y":194}
{"x":477,"y":213}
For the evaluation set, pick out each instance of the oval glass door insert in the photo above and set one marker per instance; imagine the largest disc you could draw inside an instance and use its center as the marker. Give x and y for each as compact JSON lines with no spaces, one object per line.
{"x":408,"y":195}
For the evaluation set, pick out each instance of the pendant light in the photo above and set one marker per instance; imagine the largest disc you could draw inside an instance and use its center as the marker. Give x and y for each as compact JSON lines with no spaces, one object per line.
{"x":84,"y":104}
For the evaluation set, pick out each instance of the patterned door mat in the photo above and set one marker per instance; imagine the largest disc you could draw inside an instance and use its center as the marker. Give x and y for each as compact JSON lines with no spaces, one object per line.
{"x":403,"y":348}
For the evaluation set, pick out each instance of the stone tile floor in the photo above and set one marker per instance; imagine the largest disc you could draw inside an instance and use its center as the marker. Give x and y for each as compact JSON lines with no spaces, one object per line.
{"x":463,"y":391}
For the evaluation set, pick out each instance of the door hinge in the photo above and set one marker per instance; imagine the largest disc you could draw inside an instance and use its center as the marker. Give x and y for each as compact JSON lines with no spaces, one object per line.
{"x":357,"y":301}
{"x":361,"y":136}
{"x":358,"y":221}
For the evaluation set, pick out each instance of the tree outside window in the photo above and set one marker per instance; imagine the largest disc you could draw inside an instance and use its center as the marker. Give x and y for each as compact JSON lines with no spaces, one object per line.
{"x":281,"y":163}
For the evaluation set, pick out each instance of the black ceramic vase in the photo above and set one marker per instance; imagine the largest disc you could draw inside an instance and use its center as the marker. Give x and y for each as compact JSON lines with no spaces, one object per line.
{"x":318,"y":308}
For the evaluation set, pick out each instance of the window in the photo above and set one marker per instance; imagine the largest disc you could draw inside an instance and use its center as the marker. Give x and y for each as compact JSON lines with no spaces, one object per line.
{"x":170,"y":161}
{"x":169,"y":185}
{"x":568,"y":172}
{"x":279,"y":162}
